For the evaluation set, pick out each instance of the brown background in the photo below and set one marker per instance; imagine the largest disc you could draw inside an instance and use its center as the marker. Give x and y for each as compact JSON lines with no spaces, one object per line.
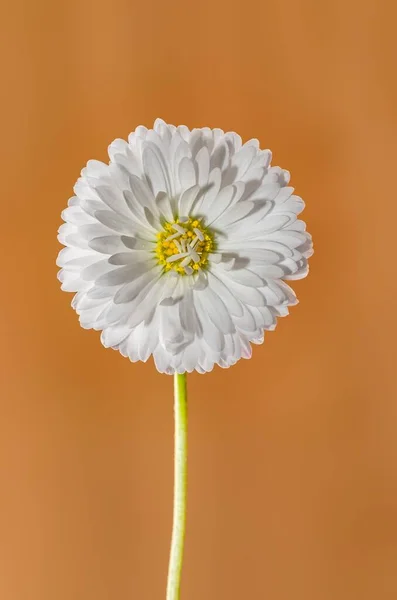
{"x":293,"y":455}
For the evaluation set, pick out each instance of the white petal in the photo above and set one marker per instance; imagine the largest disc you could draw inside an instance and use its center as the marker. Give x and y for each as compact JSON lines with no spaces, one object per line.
{"x":171,"y":334}
{"x":72,"y":257}
{"x":129,"y":257}
{"x":187,"y":199}
{"x":215,"y":257}
{"x":236,"y":213}
{"x":181,"y":151}
{"x":261,"y":255}
{"x":274,"y":223}
{"x":253,"y":179}
{"x":270,"y":271}
{"x":71,"y":282}
{"x":118,"y":146}
{"x":146,"y":339}
{"x":187,"y":173}
{"x":191,"y":356}
{"x":112,"y":336}
{"x":240,"y":163}
{"x":210,"y":192}
{"x":142,"y":193}
{"x":162,"y":360}
{"x":146,"y":302}
{"x":235,"y":140}
{"x":92,"y":272}
{"x":93,"y":318}
{"x":130,"y":290}
{"x":145,"y":218}
{"x":290,"y":294}
{"x":247,"y":321}
{"x":302,"y":271}
{"x":231,"y":302}
{"x":76,"y":216}
{"x":100,"y":292}
{"x":91,"y":206}
{"x":267,"y":315}
{"x":291,"y":239}
{"x":203,"y":163}
{"x":266,"y":191}
{"x":220,"y":204}
{"x":196,"y":141}
{"x":95,"y":168}
{"x":211,"y":334}
{"x":164,"y":206}
{"x":156,"y":170}
{"x":283,"y":195}
{"x":172,"y":289}
{"x":108,"y":244}
{"x":123,"y":274}
{"x":246,"y":277}
{"x":114,"y":221}
{"x":220,"y":156}
{"x":140,"y":131}
{"x":160,"y":125}
{"x":297,"y":226}
{"x":188,"y":314}
{"x":130,"y":161}
{"x":201,"y":281}
{"x":113,"y":198}
{"x":216,"y":310}
{"x":74,"y":240}
{"x":247,"y":295}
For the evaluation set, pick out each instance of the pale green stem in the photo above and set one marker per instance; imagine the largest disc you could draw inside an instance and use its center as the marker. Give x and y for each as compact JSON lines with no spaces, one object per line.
{"x":180,"y":480}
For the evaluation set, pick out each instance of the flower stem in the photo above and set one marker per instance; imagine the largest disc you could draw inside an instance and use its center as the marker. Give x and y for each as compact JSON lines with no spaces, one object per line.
{"x":180,"y":480}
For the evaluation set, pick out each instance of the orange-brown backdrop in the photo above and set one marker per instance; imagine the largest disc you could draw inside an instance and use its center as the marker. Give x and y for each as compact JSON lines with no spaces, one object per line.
{"x":293,"y":454}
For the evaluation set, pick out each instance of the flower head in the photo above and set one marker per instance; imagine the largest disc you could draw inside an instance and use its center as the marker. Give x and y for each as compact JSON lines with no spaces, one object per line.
{"x":179,"y":247}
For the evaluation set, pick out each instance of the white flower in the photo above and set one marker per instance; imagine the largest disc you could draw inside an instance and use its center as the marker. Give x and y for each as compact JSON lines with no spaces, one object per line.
{"x":178,"y":247}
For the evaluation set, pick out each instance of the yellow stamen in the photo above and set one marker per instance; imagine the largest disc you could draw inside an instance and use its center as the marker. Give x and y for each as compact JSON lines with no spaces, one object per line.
{"x":165,"y":249}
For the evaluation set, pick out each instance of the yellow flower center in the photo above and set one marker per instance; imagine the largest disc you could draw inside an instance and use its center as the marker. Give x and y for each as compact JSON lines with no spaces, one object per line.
{"x":184,"y":245}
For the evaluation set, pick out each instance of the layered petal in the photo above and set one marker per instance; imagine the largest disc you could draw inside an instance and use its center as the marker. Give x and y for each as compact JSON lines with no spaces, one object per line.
{"x":180,"y":247}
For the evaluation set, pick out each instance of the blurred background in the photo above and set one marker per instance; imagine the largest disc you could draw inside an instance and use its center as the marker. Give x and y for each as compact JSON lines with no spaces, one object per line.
{"x":293,"y":454}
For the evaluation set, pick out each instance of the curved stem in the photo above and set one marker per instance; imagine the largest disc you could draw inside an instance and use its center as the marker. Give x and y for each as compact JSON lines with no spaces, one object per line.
{"x":180,"y":480}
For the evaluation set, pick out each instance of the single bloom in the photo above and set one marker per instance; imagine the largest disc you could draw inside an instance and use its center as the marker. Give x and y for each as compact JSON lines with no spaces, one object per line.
{"x":180,"y":247}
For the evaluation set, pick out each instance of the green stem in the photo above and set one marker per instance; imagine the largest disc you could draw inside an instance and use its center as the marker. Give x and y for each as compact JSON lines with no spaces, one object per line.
{"x":180,"y":480}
